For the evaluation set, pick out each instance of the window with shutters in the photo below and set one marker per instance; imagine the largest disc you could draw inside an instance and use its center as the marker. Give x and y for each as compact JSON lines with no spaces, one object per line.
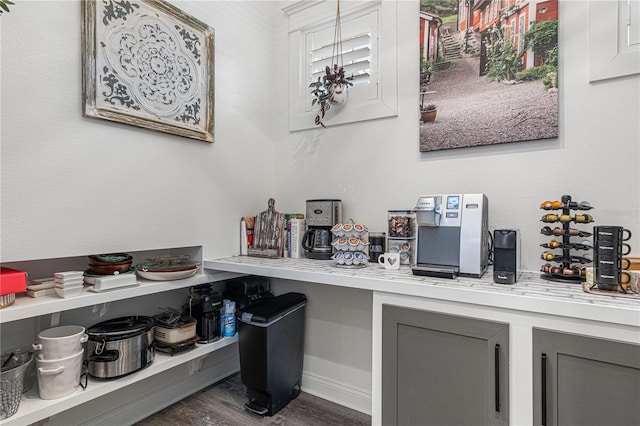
{"x":366,"y":28}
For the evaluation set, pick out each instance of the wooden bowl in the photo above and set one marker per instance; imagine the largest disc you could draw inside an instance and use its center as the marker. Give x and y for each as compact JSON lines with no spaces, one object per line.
{"x":110,"y":268}
{"x":117,"y":258}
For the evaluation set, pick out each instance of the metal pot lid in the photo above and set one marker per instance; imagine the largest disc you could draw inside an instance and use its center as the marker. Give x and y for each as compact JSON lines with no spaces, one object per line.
{"x":120,"y":328}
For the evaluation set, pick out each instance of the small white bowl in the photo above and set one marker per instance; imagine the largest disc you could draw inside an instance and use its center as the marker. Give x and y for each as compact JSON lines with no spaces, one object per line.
{"x":67,"y":292}
{"x":74,"y":285}
{"x":69,"y":282}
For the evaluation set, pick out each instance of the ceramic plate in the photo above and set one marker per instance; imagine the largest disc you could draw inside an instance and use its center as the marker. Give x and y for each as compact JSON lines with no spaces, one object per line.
{"x":175,"y":274}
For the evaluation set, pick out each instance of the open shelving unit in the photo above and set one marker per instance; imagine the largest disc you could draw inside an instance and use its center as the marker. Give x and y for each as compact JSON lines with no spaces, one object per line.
{"x":33,"y":409}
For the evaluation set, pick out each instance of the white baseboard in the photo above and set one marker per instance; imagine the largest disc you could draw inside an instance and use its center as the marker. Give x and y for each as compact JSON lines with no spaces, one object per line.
{"x":340,"y":393}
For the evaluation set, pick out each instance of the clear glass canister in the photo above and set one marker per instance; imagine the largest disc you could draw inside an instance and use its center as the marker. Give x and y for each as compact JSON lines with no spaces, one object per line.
{"x":402,"y":224}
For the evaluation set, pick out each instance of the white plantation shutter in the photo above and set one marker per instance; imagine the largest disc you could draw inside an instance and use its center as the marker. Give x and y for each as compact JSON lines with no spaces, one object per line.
{"x":363,"y":29}
{"x":356,"y":58}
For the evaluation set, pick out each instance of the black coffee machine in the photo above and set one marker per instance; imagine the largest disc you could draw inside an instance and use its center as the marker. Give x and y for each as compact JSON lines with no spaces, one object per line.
{"x":321,"y":216}
{"x":204,"y":305}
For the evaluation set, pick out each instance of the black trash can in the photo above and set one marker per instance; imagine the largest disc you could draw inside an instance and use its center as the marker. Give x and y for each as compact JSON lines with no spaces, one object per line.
{"x":271,"y":340}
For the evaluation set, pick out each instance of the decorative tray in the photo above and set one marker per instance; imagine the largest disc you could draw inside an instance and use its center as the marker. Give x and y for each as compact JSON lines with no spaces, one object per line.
{"x":593,"y":289}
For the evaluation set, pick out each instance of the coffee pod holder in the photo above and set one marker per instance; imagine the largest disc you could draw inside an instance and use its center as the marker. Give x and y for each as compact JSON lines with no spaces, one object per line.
{"x":401,"y":234}
{"x":570,"y":262}
{"x":350,"y":242}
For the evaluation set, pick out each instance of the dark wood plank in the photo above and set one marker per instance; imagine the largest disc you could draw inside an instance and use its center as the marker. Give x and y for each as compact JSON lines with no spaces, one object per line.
{"x":223,"y":404}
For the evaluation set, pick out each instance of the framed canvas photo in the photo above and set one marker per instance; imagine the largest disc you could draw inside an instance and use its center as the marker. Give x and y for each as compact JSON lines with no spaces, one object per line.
{"x":488,"y":72}
{"x":148,"y":64}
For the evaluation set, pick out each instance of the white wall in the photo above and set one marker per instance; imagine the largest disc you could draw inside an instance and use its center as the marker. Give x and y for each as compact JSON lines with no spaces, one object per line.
{"x":75,"y":186}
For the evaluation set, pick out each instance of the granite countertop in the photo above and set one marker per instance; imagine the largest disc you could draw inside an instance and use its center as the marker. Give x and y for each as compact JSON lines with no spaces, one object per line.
{"x":531,"y":293}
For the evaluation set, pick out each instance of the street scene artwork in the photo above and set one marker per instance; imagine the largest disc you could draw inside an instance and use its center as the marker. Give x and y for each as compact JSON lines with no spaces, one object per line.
{"x":488,"y":72}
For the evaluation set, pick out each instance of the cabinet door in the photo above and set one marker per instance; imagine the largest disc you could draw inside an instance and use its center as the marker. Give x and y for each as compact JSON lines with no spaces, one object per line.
{"x":442,"y":369}
{"x":579,"y":380}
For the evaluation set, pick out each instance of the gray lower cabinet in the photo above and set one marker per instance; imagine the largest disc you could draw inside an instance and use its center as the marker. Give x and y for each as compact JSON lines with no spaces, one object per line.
{"x":440,"y":369}
{"x":580,"y":380}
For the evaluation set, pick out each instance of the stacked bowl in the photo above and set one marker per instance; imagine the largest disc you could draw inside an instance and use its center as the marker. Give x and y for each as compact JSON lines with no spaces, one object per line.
{"x":69,"y":284}
{"x":59,"y":361}
{"x":110,"y":264}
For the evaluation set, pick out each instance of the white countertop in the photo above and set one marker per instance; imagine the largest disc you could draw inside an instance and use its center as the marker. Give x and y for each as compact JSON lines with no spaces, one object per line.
{"x":530,"y":294}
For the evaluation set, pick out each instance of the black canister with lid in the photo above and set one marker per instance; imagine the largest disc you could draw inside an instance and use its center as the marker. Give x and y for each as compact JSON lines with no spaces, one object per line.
{"x":377,"y":245}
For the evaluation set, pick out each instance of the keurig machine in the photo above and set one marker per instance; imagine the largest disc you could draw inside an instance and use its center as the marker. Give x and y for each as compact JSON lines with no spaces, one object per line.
{"x":321,"y":216}
{"x":452,"y":235}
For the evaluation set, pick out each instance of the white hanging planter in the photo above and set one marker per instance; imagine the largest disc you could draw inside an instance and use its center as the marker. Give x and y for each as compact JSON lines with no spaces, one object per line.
{"x":331,"y":88}
{"x":338,"y":94}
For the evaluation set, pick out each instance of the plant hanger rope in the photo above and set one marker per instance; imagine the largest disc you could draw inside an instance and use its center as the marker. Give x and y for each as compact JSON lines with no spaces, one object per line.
{"x":336,"y":51}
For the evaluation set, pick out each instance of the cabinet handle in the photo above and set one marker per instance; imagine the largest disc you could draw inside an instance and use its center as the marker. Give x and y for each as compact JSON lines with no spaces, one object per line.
{"x":496,"y":359}
{"x":544,"y":388}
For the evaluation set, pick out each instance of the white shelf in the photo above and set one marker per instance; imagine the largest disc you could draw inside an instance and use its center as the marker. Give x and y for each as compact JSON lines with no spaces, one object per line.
{"x":27,"y":307}
{"x":33,"y":409}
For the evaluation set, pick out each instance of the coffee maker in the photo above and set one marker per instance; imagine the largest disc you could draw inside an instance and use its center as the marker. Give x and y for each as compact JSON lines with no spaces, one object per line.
{"x":452,"y":235}
{"x":321,"y":216}
{"x":204,"y":305}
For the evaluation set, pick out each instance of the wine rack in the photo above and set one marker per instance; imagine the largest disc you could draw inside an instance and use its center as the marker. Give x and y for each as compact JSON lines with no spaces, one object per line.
{"x":573,"y":256}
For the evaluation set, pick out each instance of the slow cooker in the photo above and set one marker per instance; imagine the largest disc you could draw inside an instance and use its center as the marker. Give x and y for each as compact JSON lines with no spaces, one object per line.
{"x":120,"y":346}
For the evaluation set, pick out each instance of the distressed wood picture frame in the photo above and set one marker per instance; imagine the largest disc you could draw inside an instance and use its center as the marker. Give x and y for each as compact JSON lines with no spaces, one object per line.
{"x":146,"y":63}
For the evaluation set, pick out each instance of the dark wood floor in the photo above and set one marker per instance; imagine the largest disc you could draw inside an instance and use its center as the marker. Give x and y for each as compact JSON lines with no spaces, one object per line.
{"x":222,"y":404}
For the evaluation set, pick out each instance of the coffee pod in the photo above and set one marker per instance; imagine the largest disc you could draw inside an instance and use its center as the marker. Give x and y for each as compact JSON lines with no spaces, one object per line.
{"x":554,"y":244}
{"x":583,"y":218}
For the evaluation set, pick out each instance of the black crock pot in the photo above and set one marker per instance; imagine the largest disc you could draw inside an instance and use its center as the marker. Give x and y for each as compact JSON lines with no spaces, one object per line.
{"x":120,"y":346}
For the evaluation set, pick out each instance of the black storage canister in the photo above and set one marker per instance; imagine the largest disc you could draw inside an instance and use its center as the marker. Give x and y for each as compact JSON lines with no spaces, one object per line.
{"x":271,"y":345}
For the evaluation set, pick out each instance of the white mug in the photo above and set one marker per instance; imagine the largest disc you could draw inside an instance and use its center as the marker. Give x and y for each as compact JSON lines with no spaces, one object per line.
{"x":390,"y":260}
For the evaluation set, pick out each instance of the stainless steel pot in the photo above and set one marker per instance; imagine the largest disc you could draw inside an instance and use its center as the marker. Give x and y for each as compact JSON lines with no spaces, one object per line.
{"x":120,"y":346}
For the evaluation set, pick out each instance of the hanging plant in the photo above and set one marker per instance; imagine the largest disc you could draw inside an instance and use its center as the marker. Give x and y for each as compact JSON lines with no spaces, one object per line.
{"x":4,"y":5}
{"x":331,"y":88}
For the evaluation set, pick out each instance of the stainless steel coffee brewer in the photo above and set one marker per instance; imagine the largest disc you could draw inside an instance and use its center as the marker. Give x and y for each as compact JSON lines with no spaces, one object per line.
{"x":452,"y":235}
{"x":321,"y":216}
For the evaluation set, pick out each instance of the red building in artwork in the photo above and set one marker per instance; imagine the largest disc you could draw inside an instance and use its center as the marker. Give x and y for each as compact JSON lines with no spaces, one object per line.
{"x":429,"y":36}
{"x":514,"y":16}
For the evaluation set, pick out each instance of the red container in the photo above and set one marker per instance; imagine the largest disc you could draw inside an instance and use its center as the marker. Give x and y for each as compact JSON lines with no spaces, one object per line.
{"x":12,"y":281}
